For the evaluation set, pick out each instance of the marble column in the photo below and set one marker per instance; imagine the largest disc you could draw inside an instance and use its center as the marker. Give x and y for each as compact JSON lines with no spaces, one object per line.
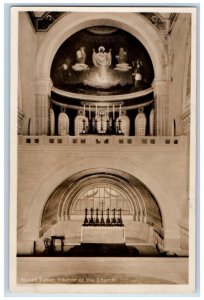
{"x":161,"y":97}
{"x":42,"y":93}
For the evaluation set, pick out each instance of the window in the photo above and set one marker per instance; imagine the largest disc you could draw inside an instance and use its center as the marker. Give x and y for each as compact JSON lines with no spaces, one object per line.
{"x":101,"y":197}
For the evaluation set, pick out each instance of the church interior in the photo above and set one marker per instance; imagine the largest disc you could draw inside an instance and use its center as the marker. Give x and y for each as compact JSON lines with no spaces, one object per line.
{"x":103,"y":134}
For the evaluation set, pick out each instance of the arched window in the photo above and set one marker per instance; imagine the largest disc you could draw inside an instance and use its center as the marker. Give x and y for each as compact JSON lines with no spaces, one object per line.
{"x":81,"y":125}
{"x":102,"y":197}
{"x":140,"y":123}
{"x":124,"y":125}
{"x":52,"y":122}
{"x":151,"y":122}
{"x":63,"y":124}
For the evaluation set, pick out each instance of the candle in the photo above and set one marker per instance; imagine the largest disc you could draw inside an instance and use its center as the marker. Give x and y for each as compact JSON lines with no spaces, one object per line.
{"x":120,"y":110}
{"x":107,"y":110}
{"x":84,"y":110}
{"x":96,"y":110}
{"x":89,"y":113}
{"x":113,"y":112}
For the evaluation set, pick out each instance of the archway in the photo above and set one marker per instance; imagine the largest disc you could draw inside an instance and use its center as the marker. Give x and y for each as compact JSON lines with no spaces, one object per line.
{"x":63,"y":214}
{"x":73,"y":22}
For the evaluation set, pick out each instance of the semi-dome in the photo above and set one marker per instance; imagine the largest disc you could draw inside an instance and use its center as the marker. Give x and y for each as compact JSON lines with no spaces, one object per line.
{"x":102,"y":61}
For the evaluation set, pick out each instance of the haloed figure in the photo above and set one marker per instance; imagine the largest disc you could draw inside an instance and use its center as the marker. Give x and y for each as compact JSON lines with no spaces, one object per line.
{"x":102,"y":61}
{"x":101,"y":75}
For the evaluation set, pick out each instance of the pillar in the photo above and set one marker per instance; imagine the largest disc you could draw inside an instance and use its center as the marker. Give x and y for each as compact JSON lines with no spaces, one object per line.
{"x":160,"y":88}
{"x":172,"y":239}
{"x":42,"y":93}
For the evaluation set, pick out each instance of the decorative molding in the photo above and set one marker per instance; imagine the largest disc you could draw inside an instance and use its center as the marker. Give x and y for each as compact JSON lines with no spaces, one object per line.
{"x":160,"y":87}
{"x":172,"y":20}
{"x":92,"y":108}
{"x":43,"y":86}
{"x":102,"y":98}
{"x":45,"y":22}
{"x":156,"y":20}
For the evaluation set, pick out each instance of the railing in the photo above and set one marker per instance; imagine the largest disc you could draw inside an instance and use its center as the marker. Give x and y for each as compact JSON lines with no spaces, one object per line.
{"x":100,"y":140}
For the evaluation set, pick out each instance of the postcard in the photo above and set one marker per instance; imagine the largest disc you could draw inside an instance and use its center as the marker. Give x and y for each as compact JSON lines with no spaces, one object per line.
{"x":103,"y":118}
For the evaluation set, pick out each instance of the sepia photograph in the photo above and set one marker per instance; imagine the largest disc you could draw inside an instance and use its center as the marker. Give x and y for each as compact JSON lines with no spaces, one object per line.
{"x":103,"y":130}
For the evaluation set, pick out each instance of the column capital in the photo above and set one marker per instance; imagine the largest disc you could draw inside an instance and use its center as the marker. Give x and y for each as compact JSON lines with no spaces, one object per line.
{"x":160,"y":87}
{"x":43,"y":85}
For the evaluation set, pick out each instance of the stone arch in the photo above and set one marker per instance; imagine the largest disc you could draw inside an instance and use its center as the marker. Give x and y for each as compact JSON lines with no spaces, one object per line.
{"x":163,"y":194}
{"x":73,"y":22}
{"x":144,"y":206}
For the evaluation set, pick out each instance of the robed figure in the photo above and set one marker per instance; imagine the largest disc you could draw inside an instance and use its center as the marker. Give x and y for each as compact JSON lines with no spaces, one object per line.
{"x":81,"y":56}
{"x":102,"y":60}
{"x":101,"y":75}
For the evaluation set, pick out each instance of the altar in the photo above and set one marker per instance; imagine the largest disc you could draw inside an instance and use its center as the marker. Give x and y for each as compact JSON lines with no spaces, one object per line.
{"x":103,"y":234}
{"x":100,"y":229}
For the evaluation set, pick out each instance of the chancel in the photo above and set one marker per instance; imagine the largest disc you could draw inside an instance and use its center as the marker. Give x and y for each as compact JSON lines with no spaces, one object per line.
{"x":104,"y":134}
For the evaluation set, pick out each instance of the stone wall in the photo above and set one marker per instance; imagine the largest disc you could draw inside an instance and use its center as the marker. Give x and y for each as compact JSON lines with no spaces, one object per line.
{"x":27,"y":55}
{"x":179,"y":58}
{"x":42,"y":168}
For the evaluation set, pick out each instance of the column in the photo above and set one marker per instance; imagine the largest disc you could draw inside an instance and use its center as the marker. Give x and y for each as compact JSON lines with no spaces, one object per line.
{"x":161,"y":97}
{"x":42,"y":93}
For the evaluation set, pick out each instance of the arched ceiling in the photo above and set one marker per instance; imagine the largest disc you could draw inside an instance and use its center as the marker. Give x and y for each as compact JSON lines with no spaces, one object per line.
{"x":59,"y":203}
{"x":117,"y":78}
{"x":44,"y":20}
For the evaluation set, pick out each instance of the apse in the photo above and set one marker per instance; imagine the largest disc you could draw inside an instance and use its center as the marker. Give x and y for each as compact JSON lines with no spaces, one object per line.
{"x":102,"y":60}
{"x":91,"y":193}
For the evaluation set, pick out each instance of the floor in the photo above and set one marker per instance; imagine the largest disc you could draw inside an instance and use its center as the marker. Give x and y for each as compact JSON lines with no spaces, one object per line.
{"x":101,"y":270}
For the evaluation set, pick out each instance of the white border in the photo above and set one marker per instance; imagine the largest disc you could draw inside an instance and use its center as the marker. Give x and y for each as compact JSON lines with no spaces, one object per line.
{"x":13,"y":158}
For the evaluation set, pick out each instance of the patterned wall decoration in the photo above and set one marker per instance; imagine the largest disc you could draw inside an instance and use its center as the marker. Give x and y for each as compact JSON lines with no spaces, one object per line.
{"x":49,"y":18}
{"x":45,"y":21}
{"x":156,"y":20}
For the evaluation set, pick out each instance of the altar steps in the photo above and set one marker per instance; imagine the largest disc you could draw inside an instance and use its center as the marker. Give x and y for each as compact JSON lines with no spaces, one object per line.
{"x":111,"y":250}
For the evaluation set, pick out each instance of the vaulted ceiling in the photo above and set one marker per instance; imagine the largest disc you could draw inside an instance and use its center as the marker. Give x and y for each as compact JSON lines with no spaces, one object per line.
{"x":44,"y":20}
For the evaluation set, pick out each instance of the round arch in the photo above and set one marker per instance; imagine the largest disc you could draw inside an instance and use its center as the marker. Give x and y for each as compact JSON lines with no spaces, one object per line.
{"x":63,"y":170}
{"x":73,"y":22}
{"x":144,"y":207}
